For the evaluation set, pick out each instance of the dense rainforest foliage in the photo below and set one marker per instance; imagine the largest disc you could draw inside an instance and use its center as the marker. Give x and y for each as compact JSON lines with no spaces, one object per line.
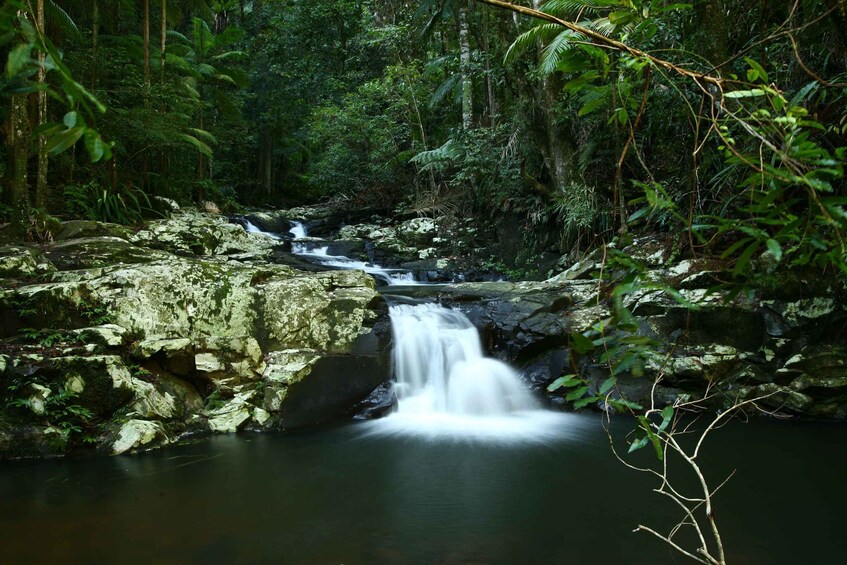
{"x":727,"y":118}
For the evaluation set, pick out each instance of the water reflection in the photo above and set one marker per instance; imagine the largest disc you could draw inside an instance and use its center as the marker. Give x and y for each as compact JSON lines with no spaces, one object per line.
{"x":342,"y":496}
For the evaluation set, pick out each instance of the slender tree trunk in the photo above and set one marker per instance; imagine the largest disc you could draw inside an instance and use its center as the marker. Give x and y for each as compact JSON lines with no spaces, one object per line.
{"x":41,"y":182}
{"x":465,"y":68}
{"x":164,"y":37}
{"x":16,"y":194}
{"x":559,"y":150}
{"x":146,"y":31}
{"x":489,"y":84}
{"x":95,"y":24}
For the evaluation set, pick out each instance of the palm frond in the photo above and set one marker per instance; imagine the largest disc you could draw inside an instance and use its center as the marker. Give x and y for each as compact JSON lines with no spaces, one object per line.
{"x":540,"y":33}
{"x":60,"y":18}
{"x":200,"y":146}
{"x":436,"y":159}
{"x":554,"y":51}
{"x":444,"y":89}
{"x":573,"y":7}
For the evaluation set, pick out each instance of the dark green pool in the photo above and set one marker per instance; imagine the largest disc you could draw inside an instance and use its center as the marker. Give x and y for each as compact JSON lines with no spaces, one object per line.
{"x":332,"y":496}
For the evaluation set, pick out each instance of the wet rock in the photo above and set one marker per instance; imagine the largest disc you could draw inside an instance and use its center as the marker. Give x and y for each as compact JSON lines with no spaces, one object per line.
{"x":165,"y":205}
{"x":105,"y":381}
{"x":418,"y":232}
{"x":235,"y":412}
{"x":303,"y":387}
{"x":109,"y":335}
{"x":18,"y":261}
{"x":135,"y":434}
{"x":200,"y":234}
{"x":99,"y":251}
{"x":377,"y":404}
{"x":36,"y":397}
{"x":75,"y":229}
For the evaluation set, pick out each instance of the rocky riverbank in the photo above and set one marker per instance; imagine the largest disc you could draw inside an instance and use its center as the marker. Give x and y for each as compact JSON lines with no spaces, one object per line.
{"x":123,"y":339}
{"x":120,"y":339}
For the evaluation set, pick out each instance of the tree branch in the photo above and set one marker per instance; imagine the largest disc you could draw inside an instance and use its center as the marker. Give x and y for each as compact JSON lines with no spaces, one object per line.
{"x":608,"y":41}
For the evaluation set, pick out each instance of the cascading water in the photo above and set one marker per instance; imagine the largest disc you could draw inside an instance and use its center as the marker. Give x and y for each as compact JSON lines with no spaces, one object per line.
{"x":440,"y":367}
{"x":298,"y":230}
{"x":319,"y":254}
{"x":446,"y":387}
{"x":249,"y":227}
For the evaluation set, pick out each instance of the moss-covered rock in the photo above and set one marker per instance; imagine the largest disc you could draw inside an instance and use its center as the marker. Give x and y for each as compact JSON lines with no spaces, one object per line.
{"x":136,"y":434}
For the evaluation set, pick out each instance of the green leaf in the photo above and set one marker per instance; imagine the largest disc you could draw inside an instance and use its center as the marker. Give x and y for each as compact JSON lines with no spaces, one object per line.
{"x":607,"y":385}
{"x":558,"y":383}
{"x":638,"y":444}
{"x":581,"y":344}
{"x":582,"y":403}
{"x":64,"y":140}
{"x":620,"y":18}
{"x":745,"y":93}
{"x":577,"y":393}
{"x":667,"y":416}
{"x":18,"y":59}
{"x":70,"y":119}
{"x":775,"y":248}
{"x":759,"y":70}
{"x":94,"y":145}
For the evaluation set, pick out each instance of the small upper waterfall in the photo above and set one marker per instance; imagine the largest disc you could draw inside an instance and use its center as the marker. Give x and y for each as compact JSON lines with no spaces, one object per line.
{"x":298,"y":230}
{"x":388,"y":276}
{"x":447,"y":387}
{"x":315,"y":252}
{"x":250,"y":227}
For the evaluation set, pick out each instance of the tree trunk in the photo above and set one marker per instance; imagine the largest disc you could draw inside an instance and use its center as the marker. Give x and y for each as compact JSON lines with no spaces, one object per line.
{"x":711,"y":15}
{"x":41,"y":182}
{"x":16,"y":174}
{"x":489,"y":84}
{"x":559,"y":151}
{"x":164,"y":37}
{"x":95,"y":24}
{"x":465,"y":68}
{"x":146,"y":31}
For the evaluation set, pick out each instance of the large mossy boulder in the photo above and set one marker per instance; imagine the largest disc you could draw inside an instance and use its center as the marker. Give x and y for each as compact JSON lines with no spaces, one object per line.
{"x":173,"y":329}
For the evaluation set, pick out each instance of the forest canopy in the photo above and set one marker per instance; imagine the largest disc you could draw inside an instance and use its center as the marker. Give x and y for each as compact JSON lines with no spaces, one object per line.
{"x":580,"y":119}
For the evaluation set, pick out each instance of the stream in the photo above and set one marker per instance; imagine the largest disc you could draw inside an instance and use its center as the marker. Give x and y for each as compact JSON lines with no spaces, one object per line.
{"x":468,"y":469}
{"x":341,"y":495}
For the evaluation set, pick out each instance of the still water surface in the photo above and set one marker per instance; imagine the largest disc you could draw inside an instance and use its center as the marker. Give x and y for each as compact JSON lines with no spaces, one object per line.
{"x":338,"y":495}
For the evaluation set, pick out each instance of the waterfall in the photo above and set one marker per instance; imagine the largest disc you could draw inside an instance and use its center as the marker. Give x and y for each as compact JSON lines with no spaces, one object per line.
{"x":447,"y":388}
{"x":298,"y":230}
{"x":319,"y":254}
{"x":440,"y":366}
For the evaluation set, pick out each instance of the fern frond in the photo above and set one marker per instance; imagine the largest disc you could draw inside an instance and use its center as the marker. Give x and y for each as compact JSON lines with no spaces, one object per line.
{"x":444,"y":89}
{"x":564,"y":8}
{"x":204,"y":135}
{"x":601,"y":25}
{"x":552,"y":54}
{"x":540,"y":33}
{"x":60,"y":18}
{"x":435,"y":159}
{"x":200,"y":146}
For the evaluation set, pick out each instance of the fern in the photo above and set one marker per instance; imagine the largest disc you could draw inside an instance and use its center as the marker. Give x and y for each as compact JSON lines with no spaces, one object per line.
{"x":436,"y":159}
{"x":450,"y":85}
{"x":551,"y":54}
{"x":541,"y":33}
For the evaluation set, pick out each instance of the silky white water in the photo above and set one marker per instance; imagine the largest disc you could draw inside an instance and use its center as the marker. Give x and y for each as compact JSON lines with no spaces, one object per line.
{"x":321,"y":255}
{"x":447,"y":387}
{"x":298,"y":230}
{"x":252,"y":228}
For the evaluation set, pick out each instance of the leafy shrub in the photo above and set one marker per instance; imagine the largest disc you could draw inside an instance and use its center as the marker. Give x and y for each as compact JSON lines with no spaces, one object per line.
{"x":122,"y":205}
